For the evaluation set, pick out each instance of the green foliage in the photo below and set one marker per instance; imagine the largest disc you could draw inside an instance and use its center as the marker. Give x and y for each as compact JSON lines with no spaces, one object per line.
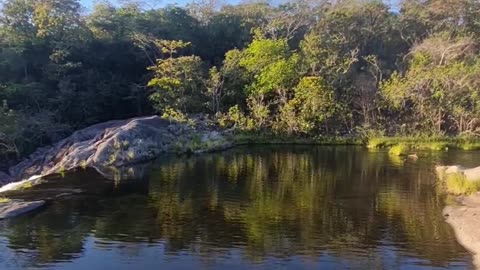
{"x":428,"y":143}
{"x":262,"y":53}
{"x":234,"y":117}
{"x":276,"y":76}
{"x":175,"y":116}
{"x":131,"y":155}
{"x":399,"y":150}
{"x":247,"y":137}
{"x":54,"y":18}
{"x":112,"y":158}
{"x":469,"y":146}
{"x":433,"y":146}
{"x":9,"y":122}
{"x":177,"y":80}
{"x":350,"y":68}
{"x":27,"y":185}
{"x":457,"y":184}
{"x":374,"y":143}
{"x":314,"y":104}
{"x":83,"y":164}
{"x":436,"y":97}
{"x":5,"y":200}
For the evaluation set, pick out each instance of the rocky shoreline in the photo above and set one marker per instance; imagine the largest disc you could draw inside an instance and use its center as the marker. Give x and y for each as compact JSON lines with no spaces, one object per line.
{"x":118,"y":144}
{"x":465,"y":221}
{"x":464,"y":217}
{"x":14,"y":208}
{"x":115,"y":149}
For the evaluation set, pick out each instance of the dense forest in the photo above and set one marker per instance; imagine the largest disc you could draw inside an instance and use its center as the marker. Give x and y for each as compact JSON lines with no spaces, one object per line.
{"x":302,"y":68}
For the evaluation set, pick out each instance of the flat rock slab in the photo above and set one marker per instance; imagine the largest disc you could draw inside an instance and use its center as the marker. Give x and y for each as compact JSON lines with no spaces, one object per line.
{"x":465,"y":220}
{"x":14,"y":208}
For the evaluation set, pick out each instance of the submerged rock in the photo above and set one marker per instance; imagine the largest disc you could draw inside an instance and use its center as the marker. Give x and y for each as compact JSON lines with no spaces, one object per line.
{"x":117,"y":144}
{"x":14,"y":208}
{"x":465,"y":220}
{"x":413,"y":156}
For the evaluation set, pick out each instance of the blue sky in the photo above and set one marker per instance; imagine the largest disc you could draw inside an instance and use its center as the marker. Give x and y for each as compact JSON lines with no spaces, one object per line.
{"x":88,"y":3}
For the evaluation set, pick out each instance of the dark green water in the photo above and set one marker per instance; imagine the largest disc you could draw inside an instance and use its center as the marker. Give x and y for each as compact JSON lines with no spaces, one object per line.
{"x":275,"y":207}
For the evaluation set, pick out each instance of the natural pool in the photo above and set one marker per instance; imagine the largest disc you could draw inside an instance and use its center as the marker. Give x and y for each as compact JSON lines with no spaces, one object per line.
{"x":263,"y":207}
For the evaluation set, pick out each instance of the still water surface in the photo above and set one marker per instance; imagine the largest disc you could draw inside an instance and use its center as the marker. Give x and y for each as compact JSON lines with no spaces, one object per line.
{"x":268,"y":207}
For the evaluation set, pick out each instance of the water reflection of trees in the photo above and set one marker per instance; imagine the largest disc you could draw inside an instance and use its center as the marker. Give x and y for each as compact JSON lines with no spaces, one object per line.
{"x":268,"y":201}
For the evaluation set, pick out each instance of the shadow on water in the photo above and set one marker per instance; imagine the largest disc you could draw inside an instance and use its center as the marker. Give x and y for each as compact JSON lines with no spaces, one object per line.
{"x":299,"y":207}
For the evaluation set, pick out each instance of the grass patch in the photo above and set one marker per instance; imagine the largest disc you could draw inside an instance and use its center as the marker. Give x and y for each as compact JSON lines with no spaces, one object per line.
{"x":131,"y":155}
{"x":112,"y":158}
{"x":270,"y":138}
{"x":433,"y":146}
{"x":386,"y":142}
{"x":469,"y":145}
{"x":83,"y":164}
{"x":4,"y":200}
{"x":26,"y":185}
{"x":399,"y":150}
{"x":380,"y":142}
{"x":457,"y":184}
{"x":426,"y":143}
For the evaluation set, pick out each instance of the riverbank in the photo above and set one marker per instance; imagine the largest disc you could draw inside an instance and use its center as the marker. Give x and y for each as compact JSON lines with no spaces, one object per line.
{"x":426,"y":143}
{"x":386,"y":142}
{"x":111,"y":148}
{"x":242,"y":138}
{"x":195,"y":144}
{"x":117,"y":144}
{"x":397,"y":146}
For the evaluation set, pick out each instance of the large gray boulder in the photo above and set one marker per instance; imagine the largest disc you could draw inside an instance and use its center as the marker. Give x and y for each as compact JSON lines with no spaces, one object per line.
{"x":117,"y":144}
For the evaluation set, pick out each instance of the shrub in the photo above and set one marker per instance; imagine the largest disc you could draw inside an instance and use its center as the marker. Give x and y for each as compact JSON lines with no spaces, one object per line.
{"x":457,"y":184}
{"x":399,"y":150}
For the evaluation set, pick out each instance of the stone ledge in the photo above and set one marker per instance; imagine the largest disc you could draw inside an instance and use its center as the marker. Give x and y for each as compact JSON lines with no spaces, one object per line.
{"x":14,"y":208}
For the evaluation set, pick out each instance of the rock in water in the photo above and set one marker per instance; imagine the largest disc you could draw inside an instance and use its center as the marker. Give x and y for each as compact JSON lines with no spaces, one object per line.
{"x":115,"y":144}
{"x":14,"y":208}
{"x":465,"y":220}
{"x":472,"y":174}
